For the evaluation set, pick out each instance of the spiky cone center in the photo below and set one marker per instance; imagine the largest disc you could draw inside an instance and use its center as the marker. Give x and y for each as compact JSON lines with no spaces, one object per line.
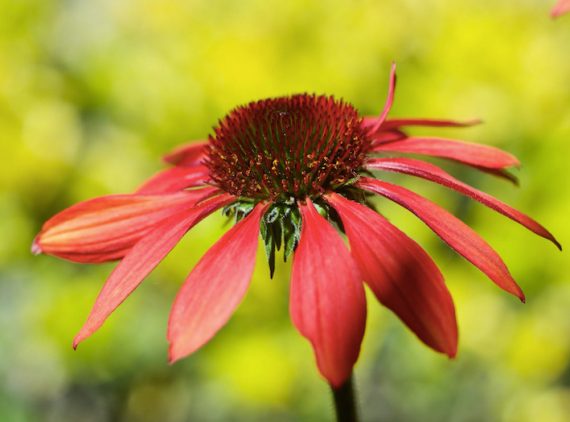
{"x":287,"y":148}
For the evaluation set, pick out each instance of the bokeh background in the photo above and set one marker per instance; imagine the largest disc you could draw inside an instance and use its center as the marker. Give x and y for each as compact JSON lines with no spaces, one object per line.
{"x":92,"y":93}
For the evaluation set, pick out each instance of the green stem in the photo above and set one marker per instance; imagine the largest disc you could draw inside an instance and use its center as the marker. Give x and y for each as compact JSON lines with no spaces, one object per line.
{"x":345,"y":402}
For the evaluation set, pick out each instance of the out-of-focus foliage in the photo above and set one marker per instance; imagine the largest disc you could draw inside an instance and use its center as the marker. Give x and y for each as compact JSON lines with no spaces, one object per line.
{"x":92,"y":92}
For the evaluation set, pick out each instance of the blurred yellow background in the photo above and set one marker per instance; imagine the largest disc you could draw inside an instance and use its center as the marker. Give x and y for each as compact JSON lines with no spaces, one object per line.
{"x":92,"y":93}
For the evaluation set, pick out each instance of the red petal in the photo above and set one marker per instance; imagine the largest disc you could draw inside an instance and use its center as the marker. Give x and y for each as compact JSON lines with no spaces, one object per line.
{"x":375,"y":125}
{"x":383,"y":136}
{"x":102,"y":252}
{"x":452,"y":230}
{"x":187,"y":155}
{"x":327,"y":302}
{"x":401,"y":274}
{"x":398,"y":123}
{"x":142,"y":259}
{"x":435,"y":174}
{"x":105,"y":228}
{"x":563,"y":6}
{"x":215,"y":287}
{"x":174,"y":179}
{"x":464,"y":152}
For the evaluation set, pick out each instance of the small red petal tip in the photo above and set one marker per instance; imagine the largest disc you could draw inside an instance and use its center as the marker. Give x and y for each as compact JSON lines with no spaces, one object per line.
{"x":171,"y":358}
{"x":562,"y":7}
{"x":36,"y":249}
{"x":556,"y":242}
{"x":78,"y":339}
{"x":452,"y":354}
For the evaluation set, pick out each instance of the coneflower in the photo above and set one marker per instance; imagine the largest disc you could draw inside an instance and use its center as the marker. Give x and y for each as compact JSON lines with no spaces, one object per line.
{"x":298,"y":170}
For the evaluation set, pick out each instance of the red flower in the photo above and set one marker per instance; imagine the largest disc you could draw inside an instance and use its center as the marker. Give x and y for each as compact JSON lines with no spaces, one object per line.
{"x":294,"y":168}
{"x":563,"y":6}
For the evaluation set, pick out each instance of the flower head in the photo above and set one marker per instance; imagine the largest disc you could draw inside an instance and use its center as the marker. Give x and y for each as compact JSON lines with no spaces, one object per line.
{"x":300,"y":170}
{"x":287,"y":148}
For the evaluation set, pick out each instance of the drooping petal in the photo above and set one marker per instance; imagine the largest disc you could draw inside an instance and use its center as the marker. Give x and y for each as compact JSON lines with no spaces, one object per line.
{"x":174,"y":179}
{"x":500,"y":173}
{"x":464,"y":152}
{"x":453,"y":231}
{"x":375,"y":125}
{"x":327,"y":302}
{"x":562,"y":7}
{"x":187,"y":155}
{"x":435,"y":174}
{"x":142,"y":259}
{"x":398,"y":123}
{"x":105,"y":228}
{"x":391,"y":124}
{"x":401,"y":274}
{"x":215,"y":287}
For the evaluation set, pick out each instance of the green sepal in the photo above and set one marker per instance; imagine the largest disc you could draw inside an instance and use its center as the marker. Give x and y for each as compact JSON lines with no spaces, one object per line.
{"x":269,"y":242}
{"x":291,"y":226}
{"x":280,"y":225}
{"x":277,"y":235}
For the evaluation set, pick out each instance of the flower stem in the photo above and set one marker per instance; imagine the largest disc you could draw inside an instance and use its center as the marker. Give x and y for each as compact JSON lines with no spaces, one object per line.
{"x":345,"y":402}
